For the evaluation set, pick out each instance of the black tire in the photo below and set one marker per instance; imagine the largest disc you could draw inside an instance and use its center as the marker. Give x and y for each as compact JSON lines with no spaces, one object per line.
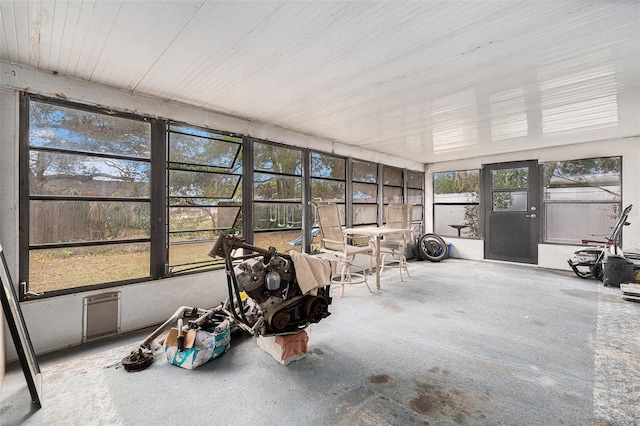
{"x":417,"y":254}
{"x":598,"y":271}
{"x":432,"y":247}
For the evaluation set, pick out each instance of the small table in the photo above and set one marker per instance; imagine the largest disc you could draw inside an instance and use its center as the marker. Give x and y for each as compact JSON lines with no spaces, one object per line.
{"x":459,"y":227}
{"x":376,"y":232}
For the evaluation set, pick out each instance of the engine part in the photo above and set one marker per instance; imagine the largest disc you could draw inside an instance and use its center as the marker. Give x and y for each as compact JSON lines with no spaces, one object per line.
{"x":138,"y":360}
{"x":268,"y":278}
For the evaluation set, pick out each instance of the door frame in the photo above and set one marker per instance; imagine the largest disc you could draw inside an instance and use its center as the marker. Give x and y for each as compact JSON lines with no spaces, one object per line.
{"x":534,"y":200}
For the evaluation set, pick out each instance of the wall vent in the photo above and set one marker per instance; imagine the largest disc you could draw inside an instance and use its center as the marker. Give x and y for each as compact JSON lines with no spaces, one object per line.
{"x":101,"y":316}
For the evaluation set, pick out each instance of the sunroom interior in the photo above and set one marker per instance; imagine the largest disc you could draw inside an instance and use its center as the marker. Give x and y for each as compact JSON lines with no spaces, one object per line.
{"x":133,"y":133}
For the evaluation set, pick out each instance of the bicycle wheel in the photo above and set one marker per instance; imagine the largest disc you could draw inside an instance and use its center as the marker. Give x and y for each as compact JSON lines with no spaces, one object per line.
{"x":432,"y":247}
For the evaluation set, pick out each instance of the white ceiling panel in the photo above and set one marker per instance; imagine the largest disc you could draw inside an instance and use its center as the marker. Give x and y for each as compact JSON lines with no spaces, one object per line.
{"x":428,"y":81}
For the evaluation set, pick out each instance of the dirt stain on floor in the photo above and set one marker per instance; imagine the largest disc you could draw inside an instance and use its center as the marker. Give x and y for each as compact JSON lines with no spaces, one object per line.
{"x":390,"y":305}
{"x":379,"y":379}
{"x":440,"y":402}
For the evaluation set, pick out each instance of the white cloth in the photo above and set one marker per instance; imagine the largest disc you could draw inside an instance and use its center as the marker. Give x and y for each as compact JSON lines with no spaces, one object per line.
{"x":311,"y":271}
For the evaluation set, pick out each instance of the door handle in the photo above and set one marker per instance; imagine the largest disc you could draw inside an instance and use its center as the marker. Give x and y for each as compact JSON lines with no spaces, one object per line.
{"x":532,"y":216}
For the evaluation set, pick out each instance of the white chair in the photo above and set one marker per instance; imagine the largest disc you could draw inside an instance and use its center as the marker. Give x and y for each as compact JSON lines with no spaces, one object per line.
{"x":398,"y":216}
{"x":333,"y":240}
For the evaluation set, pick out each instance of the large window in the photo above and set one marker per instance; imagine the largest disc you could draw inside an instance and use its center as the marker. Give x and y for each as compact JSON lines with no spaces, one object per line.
{"x":456,"y":203}
{"x":204,"y":193}
{"x":581,"y":199}
{"x":365,"y":193}
{"x":113,"y":198}
{"x":277,"y":195}
{"x":87,"y":198}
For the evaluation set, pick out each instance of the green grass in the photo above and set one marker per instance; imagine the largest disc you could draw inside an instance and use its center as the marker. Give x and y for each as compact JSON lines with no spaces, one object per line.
{"x":58,"y":269}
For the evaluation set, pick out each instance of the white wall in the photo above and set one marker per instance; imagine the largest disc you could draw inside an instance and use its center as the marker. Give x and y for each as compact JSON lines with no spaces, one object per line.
{"x":555,"y":255}
{"x":8,"y":202}
{"x":56,"y":323}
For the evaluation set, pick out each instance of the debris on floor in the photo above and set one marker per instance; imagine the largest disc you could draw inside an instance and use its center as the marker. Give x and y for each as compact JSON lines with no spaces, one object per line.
{"x":630,"y":291}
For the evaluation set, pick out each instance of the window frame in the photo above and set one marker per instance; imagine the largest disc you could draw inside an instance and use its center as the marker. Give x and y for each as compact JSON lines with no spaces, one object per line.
{"x":159,"y":197}
{"x":544,"y":202}
{"x":205,"y":265}
{"x":252,"y":207}
{"x":480,"y":235}
{"x":25,"y":197}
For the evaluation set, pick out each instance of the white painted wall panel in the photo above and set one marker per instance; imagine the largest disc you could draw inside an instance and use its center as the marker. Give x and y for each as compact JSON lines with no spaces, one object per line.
{"x":8,"y":198}
{"x":9,"y":32}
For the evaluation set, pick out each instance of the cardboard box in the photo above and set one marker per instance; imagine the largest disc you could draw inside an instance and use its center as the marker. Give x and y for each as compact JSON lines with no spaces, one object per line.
{"x":285,"y":349}
{"x":200,"y":347}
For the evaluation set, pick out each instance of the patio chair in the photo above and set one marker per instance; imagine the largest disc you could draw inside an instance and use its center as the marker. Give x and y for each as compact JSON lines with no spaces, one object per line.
{"x":397,"y":216}
{"x":332,"y":240}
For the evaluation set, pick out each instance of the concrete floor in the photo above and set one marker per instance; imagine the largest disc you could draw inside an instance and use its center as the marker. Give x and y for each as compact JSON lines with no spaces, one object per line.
{"x":461,"y":342}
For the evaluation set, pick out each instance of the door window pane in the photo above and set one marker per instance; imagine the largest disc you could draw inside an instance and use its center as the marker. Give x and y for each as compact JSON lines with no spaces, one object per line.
{"x":510,"y":178}
{"x":511,"y":201}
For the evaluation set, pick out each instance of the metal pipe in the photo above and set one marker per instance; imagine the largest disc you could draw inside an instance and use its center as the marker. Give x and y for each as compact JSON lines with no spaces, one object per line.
{"x":179,"y":313}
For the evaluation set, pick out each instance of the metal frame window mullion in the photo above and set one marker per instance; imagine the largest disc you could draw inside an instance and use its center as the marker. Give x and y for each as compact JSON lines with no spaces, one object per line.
{"x":247,"y":189}
{"x":348,"y":189}
{"x":307,"y":210}
{"x":23,"y":201}
{"x":159,"y":200}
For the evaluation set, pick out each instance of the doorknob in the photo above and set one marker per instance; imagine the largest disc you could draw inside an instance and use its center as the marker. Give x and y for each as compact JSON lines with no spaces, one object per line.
{"x":532,"y":216}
